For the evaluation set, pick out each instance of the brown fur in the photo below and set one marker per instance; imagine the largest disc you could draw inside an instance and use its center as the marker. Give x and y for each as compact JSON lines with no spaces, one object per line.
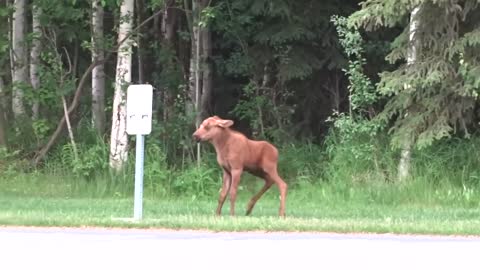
{"x":236,"y":153}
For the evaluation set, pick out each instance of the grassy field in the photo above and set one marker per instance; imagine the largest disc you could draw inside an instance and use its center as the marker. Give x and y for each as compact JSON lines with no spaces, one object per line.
{"x":377,"y":208}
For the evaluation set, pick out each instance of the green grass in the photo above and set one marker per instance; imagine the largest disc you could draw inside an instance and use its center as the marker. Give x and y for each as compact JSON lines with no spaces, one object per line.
{"x":380,"y":208}
{"x":184,"y":214}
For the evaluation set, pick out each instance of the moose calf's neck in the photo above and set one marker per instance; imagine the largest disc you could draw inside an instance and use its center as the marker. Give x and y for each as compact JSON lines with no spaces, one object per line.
{"x":221,"y":142}
{"x":228,"y":146}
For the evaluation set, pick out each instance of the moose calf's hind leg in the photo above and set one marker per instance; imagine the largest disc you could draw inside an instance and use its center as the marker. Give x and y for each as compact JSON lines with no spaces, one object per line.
{"x":236,"y":174}
{"x":283,"y":187}
{"x":251,"y":204}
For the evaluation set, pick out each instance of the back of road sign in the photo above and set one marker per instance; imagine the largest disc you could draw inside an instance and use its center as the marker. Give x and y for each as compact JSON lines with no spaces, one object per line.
{"x":139,"y":109}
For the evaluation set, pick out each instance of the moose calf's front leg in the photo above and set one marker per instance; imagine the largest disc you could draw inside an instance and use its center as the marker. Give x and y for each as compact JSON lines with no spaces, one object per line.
{"x":227,"y":179}
{"x":233,"y":189}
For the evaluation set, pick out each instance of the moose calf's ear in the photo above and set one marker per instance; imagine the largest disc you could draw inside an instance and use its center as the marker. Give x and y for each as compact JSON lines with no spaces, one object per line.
{"x":225,"y":123}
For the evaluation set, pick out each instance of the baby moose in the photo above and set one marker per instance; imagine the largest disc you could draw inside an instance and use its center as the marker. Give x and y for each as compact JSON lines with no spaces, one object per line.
{"x":235,"y":154}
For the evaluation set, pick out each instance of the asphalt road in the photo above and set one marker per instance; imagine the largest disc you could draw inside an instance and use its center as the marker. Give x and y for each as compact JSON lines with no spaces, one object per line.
{"x":59,"y":248}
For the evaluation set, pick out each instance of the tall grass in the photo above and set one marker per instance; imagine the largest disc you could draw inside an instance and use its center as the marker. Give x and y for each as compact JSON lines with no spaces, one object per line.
{"x":359,"y":171}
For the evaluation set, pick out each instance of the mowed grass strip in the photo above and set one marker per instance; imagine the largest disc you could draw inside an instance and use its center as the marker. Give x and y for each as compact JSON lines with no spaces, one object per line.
{"x":312,"y":215}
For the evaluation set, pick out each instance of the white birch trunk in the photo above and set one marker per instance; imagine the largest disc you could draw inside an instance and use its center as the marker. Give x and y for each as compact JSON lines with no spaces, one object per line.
{"x":98,"y":72}
{"x":406,"y":151}
{"x":20,"y":75}
{"x":35,"y":57}
{"x":119,"y":139}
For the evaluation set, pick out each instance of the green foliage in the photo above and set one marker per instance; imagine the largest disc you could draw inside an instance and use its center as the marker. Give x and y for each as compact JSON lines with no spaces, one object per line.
{"x":92,"y":162}
{"x":449,"y":162}
{"x":236,"y":65}
{"x":52,"y":88}
{"x":207,"y":15}
{"x":362,"y":92}
{"x":170,"y":76}
{"x":157,"y":174}
{"x":74,"y":26}
{"x":42,"y":128}
{"x":155,"y":4}
{"x":249,"y":109}
{"x":5,"y":12}
{"x":302,"y":164}
{"x":10,"y":162}
{"x":176,"y":134}
{"x":353,"y":141}
{"x":197,"y":182}
{"x":388,"y":13}
{"x":265,"y":117}
{"x":354,"y":156}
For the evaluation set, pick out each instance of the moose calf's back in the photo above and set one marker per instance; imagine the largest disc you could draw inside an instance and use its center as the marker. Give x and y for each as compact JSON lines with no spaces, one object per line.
{"x":253,"y":155}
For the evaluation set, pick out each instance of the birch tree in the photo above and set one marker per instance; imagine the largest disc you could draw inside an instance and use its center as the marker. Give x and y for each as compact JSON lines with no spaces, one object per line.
{"x":35,"y":55}
{"x":118,"y":138}
{"x":406,"y":150}
{"x":19,"y":54}
{"x":98,"y":72}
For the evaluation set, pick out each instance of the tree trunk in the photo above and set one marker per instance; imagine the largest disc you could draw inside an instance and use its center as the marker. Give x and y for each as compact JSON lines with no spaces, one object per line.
{"x":168,"y":33}
{"x":8,"y":3}
{"x":406,"y":150}
{"x":98,"y":73}
{"x":194,"y":88}
{"x":206,"y":93}
{"x":3,"y":124}
{"x":20,"y":76}
{"x":168,"y":22}
{"x":191,"y":104}
{"x":35,"y":57}
{"x":119,"y":139}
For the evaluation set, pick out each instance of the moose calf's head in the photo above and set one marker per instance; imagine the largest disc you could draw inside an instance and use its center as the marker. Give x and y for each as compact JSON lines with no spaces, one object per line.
{"x":211,"y":128}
